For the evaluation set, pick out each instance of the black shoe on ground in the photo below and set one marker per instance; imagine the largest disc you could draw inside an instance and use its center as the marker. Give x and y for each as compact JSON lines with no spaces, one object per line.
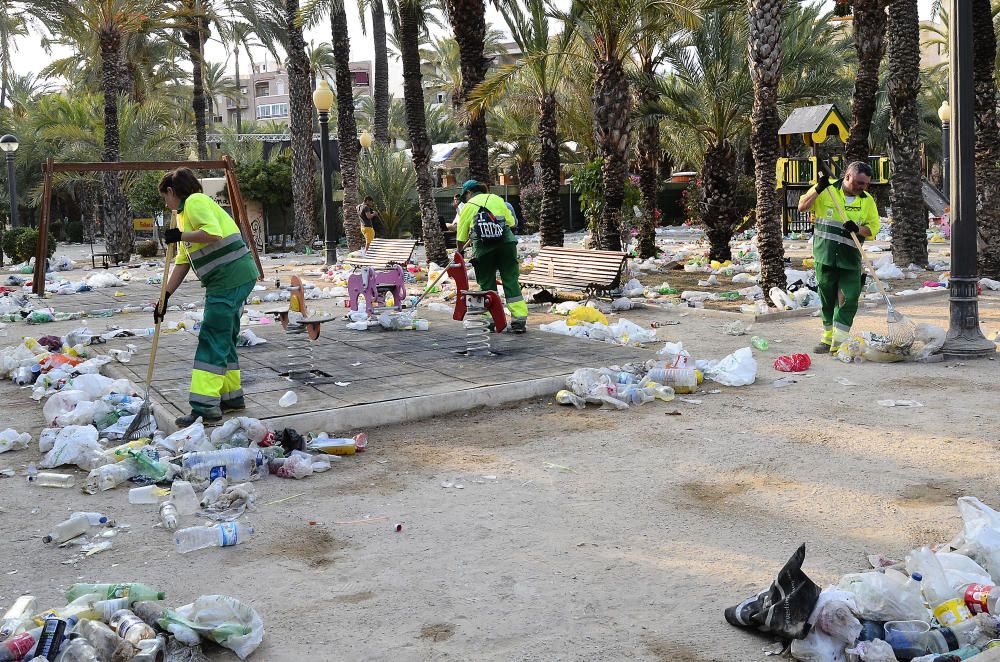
{"x":207,"y":418}
{"x":821,"y":348}
{"x":518,"y":326}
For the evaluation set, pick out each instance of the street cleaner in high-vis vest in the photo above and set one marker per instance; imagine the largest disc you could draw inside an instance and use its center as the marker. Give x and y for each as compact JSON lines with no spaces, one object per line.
{"x":209,"y":241}
{"x":838,"y":262}
{"x":486,"y":222}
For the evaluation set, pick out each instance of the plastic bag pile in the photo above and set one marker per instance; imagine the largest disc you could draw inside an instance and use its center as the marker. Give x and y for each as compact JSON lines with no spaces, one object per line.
{"x":934,"y":601}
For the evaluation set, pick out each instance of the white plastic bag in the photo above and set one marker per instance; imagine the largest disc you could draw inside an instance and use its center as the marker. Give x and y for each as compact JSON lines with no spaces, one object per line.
{"x":674,"y":355}
{"x":875,"y":650}
{"x":74,"y":445}
{"x":620,"y":304}
{"x":885,"y":596}
{"x":818,"y":647}
{"x":189,"y":439}
{"x":240,"y":431}
{"x":961,"y":570}
{"x":781,"y":299}
{"x":11,"y":439}
{"x":981,"y":533}
{"x":630,"y":333}
{"x":737,"y":369}
{"x":219,"y":618}
{"x":889,"y":270}
{"x":97,"y":386}
{"x":71,"y":407}
{"x":633,"y":288}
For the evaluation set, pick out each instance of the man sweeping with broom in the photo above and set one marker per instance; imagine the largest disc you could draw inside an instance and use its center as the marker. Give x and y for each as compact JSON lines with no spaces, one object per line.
{"x":210,"y":243}
{"x":839,"y":209}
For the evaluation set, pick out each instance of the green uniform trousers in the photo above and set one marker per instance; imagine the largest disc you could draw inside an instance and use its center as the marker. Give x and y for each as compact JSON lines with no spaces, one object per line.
{"x":502,"y":258}
{"x":837,"y":319}
{"x":215,"y":379}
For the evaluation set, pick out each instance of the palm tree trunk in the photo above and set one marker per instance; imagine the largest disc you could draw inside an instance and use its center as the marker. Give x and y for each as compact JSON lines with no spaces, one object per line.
{"x":300,"y":111}
{"x":416,"y":123}
{"x":347,"y":128}
{"x":718,"y":212}
{"x":525,"y":172}
{"x":869,"y":43}
{"x":611,"y":106}
{"x":239,"y":86}
{"x":192,"y":34}
{"x":381,"y":72}
{"x":468,"y":21}
{"x":765,"y":69}
{"x":909,"y":218}
{"x":647,"y":151}
{"x":550,"y":223}
{"x":118,"y":233}
{"x":987,"y":139}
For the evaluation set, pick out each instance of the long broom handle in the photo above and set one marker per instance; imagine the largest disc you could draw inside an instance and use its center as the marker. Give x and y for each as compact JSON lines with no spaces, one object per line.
{"x":163,"y":296}
{"x":864,"y":258}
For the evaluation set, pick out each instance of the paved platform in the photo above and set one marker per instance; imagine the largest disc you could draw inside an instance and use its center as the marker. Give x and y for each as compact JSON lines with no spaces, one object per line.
{"x":389,"y":376}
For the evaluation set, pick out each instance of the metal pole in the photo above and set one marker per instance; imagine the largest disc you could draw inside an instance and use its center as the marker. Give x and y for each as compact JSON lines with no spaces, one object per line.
{"x":329,"y":224}
{"x":12,"y":187}
{"x":946,"y":158}
{"x":964,"y":339}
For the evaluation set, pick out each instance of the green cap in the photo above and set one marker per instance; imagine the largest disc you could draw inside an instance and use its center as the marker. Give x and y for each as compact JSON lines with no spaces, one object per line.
{"x":469,"y":185}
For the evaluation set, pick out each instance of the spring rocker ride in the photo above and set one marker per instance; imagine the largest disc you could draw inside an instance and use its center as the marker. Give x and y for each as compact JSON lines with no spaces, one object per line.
{"x":374,"y":285}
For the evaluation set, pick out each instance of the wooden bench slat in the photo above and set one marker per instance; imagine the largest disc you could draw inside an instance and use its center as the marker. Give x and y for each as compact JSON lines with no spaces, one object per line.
{"x":576,"y":268}
{"x":385,"y":252}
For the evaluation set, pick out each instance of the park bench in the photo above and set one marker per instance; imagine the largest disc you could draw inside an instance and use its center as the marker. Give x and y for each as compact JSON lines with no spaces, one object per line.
{"x":383,"y":253}
{"x":592,"y":271}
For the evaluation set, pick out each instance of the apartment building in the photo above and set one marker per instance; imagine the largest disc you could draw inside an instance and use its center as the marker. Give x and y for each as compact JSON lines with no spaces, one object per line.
{"x":429,"y":66}
{"x":265,"y":93}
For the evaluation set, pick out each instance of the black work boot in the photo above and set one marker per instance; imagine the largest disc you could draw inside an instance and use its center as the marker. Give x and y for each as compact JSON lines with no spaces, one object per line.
{"x":213,"y":415}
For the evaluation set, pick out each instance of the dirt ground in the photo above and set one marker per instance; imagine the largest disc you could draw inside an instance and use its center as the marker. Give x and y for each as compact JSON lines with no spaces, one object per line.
{"x":591,"y":535}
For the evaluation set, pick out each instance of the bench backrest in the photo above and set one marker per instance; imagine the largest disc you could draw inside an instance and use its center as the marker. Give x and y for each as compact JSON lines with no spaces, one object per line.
{"x":385,"y":252}
{"x":579,"y":268}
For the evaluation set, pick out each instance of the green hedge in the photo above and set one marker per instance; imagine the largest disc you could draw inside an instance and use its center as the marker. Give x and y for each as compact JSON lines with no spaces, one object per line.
{"x":20,"y":243}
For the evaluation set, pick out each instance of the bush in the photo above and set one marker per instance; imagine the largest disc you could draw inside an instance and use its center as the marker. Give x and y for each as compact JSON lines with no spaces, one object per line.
{"x":56,"y":230}
{"x":148,"y":248}
{"x":531,"y":207}
{"x":25,"y":243}
{"x":10,"y":238}
{"x":74,"y":232}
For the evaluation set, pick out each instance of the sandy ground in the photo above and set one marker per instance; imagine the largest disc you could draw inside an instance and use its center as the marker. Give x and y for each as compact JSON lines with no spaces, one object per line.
{"x":654,"y":524}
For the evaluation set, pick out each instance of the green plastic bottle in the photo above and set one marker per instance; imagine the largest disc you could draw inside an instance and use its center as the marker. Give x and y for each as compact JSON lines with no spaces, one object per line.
{"x":759,"y":343}
{"x":134,"y":592}
{"x":155,"y":469}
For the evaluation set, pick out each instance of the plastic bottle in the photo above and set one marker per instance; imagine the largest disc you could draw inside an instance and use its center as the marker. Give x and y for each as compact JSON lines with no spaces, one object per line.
{"x":94,"y":519}
{"x":130,"y":627}
{"x":915,"y":644}
{"x":149,"y":466}
{"x":235,"y":464}
{"x":132,"y":591}
{"x":979,"y":598}
{"x":225,"y":534}
{"x":214,"y":491}
{"x":19,"y":613}
{"x":659,"y":391}
{"x":103,"y":609}
{"x":150,"y":611}
{"x":120,"y":452}
{"x":184,"y":498}
{"x":632,"y":394}
{"x":108,"y":644}
{"x":78,"y":650}
{"x":759,"y":343}
{"x":682,"y":380}
{"x":19,"y":646}
{"x":565,"y":397}
{"x":168,"y":515}
{"x":49,"y":479}
{"x":65,"y":530}
{"x":147,"y":494}
{"x":151,"y":650}
{"x":343,"y":446}
{"x":947,"y":606}
{"x":110,"y":476}
{"x":74,"y":609}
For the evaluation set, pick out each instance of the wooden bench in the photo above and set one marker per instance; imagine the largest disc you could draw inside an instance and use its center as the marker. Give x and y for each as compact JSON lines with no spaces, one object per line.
{"x":595,"y":272}
{"x":383,"y":253}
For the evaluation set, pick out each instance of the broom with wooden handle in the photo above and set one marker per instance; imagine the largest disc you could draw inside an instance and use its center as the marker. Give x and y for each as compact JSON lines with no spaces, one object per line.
{"x":143,"y":424}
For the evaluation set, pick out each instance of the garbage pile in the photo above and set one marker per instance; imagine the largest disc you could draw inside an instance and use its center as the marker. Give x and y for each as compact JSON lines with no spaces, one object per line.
{"x":938,"y":604}
{"x":128,"y":621}
{"x":871,"y":346}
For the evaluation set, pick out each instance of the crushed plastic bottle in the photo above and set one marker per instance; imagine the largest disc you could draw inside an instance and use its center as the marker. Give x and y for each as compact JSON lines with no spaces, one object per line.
{"x":236,"y":464}
{"x":565,"y":397}
{"x":18,"y":614}
{"x":108,"y":644}
{"x":147,"y":494}
{"x":225,"y":534}
{"x":759,"y":343}
{"x":168,"y":515}
{"x":948,"y":607}
{"x":130,"y":627}
{"x":110,"y":476}
{"x":341,"y":446}
{"x":19,"y":646}
{"x":51,"y":479}
{"x":214,"y":491}
{"x":79,"y":650}
{"x":95,"y":519}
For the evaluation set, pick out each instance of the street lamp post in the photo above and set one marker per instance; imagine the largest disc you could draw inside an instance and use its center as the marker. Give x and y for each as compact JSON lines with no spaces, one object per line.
{"x":944,"y":113}
{"x":964,"y":339}
{"x":9,"y":145}
{"x":323,"y":100}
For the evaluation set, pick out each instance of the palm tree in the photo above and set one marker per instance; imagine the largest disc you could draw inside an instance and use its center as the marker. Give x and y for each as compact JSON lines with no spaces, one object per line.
{"x":388,"y":176}
{"x":195,"y":31}
{"x":513,"y":130}
{"x":869,"y":43}
{"x":987,"y":137}
{"x":218,"y":84}
{"x":408,"y":21}
{"x":238,"y":33}
{"x":382,"y":98}
{"x":535,"y":80}
{"x":765,"y":70}
{"x":909,"y":218}
{"x":114,"y":22}
{"x":12,"y":26}
{"x":322,"y":60}
{"x":347,"y":128}
{"x":468,"y":22}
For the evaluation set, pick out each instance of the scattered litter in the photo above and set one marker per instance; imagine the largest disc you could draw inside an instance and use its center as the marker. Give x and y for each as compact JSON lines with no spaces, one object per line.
{"x":690,"y":401}
{"x":844,"y":381}
{"x":899,"y":403}
{"x":288,"y":399}
{"x":560,"y":467}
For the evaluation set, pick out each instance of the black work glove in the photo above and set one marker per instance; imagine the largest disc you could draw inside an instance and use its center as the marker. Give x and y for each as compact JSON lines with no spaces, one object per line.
{"x":172,"y":236}
{"x":822,"y":183}
{"x":852,"y":227}
{"x":160,"y":312}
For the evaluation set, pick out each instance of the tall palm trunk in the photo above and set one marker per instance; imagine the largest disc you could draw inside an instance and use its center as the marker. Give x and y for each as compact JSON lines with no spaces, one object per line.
{"x":239,"y":86}
{"x":300,"y":126}
{"x":468,"y":21}
{"x":869,"y":43}
{"x":611,"y":106}
{"x":909,"y":219}
{"x":347,"y":128}
{"x":193,"y":33}
{"x":550,"y":222}
{"x":381,"y":72}
{"x":987,"y":139}
{"x":718,"y":211}
{"x":647,"y":151}
{"x":525,"y":172}
{"x":118,"y":233}
{"x":416,"y":124}
{"x":765,"y":69}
